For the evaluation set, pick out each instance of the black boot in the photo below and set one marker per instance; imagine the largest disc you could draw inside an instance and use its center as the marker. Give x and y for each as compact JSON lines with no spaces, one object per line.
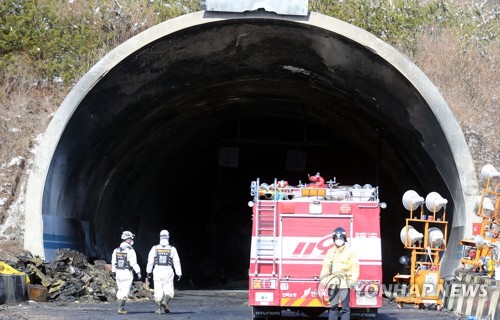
{"x":164,"y":303}
{"x":121,"y":306}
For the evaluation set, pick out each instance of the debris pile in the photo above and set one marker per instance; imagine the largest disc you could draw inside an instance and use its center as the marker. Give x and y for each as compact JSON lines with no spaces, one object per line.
{"x":71,"y":277}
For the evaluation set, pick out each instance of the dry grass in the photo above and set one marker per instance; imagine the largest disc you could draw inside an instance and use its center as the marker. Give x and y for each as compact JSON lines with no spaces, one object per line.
{"x":468,"y":79}
{"x":25,"y":109}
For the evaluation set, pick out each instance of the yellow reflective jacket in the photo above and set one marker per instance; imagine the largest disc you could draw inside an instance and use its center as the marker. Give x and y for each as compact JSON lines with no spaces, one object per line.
{"x":340,"y":267}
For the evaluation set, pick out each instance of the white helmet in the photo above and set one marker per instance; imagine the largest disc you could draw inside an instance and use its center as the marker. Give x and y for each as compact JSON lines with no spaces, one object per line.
{"x":164,"y":234}
{"x":127,"y":235}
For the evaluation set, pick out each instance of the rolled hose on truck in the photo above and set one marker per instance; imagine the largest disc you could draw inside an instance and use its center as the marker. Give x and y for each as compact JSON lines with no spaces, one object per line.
{"x":12,"y":284}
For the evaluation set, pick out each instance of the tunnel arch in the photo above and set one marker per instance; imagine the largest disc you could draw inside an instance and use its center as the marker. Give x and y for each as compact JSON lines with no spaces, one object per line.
{"x":136,"y":144}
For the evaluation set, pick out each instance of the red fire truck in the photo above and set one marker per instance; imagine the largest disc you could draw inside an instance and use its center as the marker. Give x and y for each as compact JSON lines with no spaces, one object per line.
{"x":291,"y":233}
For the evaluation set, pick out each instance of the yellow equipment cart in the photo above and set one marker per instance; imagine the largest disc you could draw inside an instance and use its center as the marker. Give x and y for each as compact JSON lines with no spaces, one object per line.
{"x":477,"y":249}
{"x":424,"y":281}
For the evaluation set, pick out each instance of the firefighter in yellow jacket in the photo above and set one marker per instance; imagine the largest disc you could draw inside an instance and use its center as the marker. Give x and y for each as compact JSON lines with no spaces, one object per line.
{"x":339,"y":274}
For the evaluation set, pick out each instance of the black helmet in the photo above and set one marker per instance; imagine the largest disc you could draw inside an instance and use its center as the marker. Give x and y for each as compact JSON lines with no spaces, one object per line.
{"x":339,"y":232}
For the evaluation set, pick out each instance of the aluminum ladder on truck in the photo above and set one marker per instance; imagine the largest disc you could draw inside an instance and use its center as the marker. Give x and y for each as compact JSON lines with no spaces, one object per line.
{"x":266,"y":230}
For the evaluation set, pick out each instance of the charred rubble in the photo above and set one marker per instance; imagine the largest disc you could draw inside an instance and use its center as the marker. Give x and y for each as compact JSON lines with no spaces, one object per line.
{"x":70,"y":277}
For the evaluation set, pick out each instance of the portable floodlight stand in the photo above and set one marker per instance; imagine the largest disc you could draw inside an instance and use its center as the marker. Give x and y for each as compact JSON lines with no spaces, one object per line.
{"x":424,"y":281}
{"x":478,"y":249}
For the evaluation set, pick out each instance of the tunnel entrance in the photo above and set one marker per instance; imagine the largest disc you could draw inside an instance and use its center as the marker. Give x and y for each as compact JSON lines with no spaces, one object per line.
{"x":169,"y":129}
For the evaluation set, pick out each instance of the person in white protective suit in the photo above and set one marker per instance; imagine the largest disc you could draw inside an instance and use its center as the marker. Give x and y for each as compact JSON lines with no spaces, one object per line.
{"x":162,"y":260}
{"x":123,"y":261}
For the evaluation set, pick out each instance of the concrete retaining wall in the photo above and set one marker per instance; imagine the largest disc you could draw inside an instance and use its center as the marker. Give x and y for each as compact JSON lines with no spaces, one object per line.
{"x":473,"y":294}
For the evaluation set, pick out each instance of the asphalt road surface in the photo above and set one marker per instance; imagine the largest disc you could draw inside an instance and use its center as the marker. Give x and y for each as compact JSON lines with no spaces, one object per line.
{"x":187,"y":304}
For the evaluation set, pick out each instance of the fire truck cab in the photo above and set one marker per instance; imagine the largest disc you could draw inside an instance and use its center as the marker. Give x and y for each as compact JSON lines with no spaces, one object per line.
{"x":291,"y":233}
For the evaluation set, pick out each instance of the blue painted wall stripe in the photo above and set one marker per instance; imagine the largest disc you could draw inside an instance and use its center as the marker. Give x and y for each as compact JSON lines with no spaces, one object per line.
{"x":58,"y":237}
{"x":53,"y":241}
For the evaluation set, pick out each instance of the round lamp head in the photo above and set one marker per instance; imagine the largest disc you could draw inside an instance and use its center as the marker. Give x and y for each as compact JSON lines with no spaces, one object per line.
{"x":413,"y":236}
{"x":489,"y":171}
{"x":436,"y":237}
{"x":404,"y":260}
{"x":486,"y":204}
{"x":434,"y":202}
{"x":411,"y":200}
{"x":480,"y":242}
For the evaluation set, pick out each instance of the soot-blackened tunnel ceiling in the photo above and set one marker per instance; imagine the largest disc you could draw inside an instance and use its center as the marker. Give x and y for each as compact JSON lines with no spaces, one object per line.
{"x":136,"y":145}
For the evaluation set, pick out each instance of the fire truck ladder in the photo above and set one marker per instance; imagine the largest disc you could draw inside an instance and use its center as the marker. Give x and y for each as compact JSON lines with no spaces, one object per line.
{"x":266,"y":231}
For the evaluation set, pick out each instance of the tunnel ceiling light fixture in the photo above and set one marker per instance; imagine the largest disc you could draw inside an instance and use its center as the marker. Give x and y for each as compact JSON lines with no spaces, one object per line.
{"x":412,"y":200}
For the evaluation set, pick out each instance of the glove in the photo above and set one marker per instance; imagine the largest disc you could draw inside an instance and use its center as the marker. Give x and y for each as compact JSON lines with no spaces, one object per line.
{"x":179,"y":278}
{"x":113,"y":275}
{"x":150,"y":276}
{"x":139,"y":277}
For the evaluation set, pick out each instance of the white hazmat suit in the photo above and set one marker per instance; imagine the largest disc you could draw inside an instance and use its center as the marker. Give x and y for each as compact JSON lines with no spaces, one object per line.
{"x":123,"y":261}
{"x":163,"y":259}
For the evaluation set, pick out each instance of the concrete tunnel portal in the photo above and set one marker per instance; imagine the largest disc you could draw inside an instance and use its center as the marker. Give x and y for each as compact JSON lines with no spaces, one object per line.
{"x":168,"y":130}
